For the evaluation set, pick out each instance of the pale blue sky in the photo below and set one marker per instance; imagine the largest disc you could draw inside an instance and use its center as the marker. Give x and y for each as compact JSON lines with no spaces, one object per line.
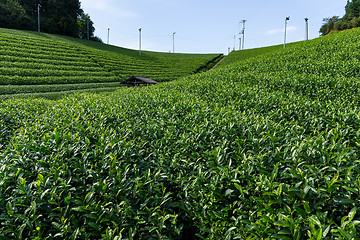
{"x":206,"y":26}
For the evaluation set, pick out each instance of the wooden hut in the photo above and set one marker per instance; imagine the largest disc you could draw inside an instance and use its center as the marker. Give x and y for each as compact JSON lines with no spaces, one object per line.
{"x":136,"y":81}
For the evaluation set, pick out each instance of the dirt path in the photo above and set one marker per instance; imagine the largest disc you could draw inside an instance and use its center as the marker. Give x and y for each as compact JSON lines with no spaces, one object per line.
{"x":218,"y":63}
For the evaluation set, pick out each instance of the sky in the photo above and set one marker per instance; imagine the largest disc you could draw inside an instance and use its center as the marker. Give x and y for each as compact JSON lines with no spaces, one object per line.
{"x":206,"y":26}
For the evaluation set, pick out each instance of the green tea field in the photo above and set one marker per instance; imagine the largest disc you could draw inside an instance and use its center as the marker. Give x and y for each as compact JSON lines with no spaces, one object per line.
{"x":237,"y":56}
{"x":263,"y":147}
{"x":44,"y":65}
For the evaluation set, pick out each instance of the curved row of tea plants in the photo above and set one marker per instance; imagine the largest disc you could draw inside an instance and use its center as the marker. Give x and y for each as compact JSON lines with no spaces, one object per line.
{"x":37,"y":59}
{"x":264,"y":149}
{"x":160,"y":67}
{"x":33,"y":65}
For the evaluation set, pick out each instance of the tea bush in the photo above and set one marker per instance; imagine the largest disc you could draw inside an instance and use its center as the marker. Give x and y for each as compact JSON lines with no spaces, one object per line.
{"x":267,"y":148}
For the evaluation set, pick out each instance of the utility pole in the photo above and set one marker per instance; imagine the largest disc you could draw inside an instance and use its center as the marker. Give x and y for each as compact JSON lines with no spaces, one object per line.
{"x":243,"y":32}
{"x":108,"y":40}
{"x":306,"y":28}
{"x":240,"y":44}
{"x":234,"y":42}
{"x":140,"y":41}
{"x":286,"y":19}
{"x":38,"y":10}
{"x":174,"y":42}
{"x":87,"y":29}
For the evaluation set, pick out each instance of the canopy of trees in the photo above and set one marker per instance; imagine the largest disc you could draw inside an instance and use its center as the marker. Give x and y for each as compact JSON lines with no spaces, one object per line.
{"x":350,"y":20}
{"x":12,"y":15}
{"x":64,"y":17}
{"x":86,"y":27}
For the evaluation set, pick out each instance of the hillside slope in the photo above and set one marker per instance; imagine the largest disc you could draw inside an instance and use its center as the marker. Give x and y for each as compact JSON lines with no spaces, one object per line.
{"x":242,"y":55}
{"x":42,"y":63}
{"x":267,"y":148}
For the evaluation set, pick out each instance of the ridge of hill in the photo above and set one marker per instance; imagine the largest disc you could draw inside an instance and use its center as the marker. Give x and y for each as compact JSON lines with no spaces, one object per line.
{"x":39,"y":64}
{"x":242,"y":55}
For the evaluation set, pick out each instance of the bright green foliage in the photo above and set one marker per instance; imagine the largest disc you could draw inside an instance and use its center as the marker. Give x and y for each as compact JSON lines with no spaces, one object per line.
{"x":267,"y":148}
{"x":242,"y":55}
{"x":33,"y":59}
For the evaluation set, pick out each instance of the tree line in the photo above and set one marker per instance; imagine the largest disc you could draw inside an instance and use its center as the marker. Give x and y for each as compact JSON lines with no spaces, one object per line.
{"x":63,"y":17}
{"x":351,"y":19}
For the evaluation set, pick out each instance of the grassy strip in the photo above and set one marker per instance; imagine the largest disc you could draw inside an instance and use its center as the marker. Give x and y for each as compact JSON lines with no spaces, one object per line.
{"x":56,"y":63}
{"x":29,"y":72}
{"x":17,"y":89}
{"x":19,"y":80}
{"x":55,"y":95}
{"x":45,"y":65}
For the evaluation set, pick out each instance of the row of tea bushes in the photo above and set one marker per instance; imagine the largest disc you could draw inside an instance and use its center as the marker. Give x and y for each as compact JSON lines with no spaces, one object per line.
{"x":261,"y":150}
{"x":28,"y":58}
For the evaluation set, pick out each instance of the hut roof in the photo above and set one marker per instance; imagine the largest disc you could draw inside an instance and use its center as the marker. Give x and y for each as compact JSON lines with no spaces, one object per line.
{"x":136,"y":80}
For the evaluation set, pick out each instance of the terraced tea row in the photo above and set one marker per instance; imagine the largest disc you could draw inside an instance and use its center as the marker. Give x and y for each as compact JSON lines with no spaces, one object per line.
{"x":28,"y":58}
{"x":28,"y":62}
{"x":160,"y":67}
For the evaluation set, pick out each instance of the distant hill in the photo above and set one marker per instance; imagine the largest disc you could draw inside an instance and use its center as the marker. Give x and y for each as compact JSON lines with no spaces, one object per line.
{"x":48,"y":65}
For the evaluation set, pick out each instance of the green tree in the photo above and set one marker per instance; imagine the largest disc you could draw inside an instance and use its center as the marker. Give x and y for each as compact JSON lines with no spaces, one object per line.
{"x":30,"y":7}
{"x":13,"y":15}
{"x":86,"y":27}
{"x":352,"y":10}
{"x":63,"y":17}
{"x":56,"y":16}
{"x":351,"y":19}
{"x":60,"y":17}
{"x":329,"y":25}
